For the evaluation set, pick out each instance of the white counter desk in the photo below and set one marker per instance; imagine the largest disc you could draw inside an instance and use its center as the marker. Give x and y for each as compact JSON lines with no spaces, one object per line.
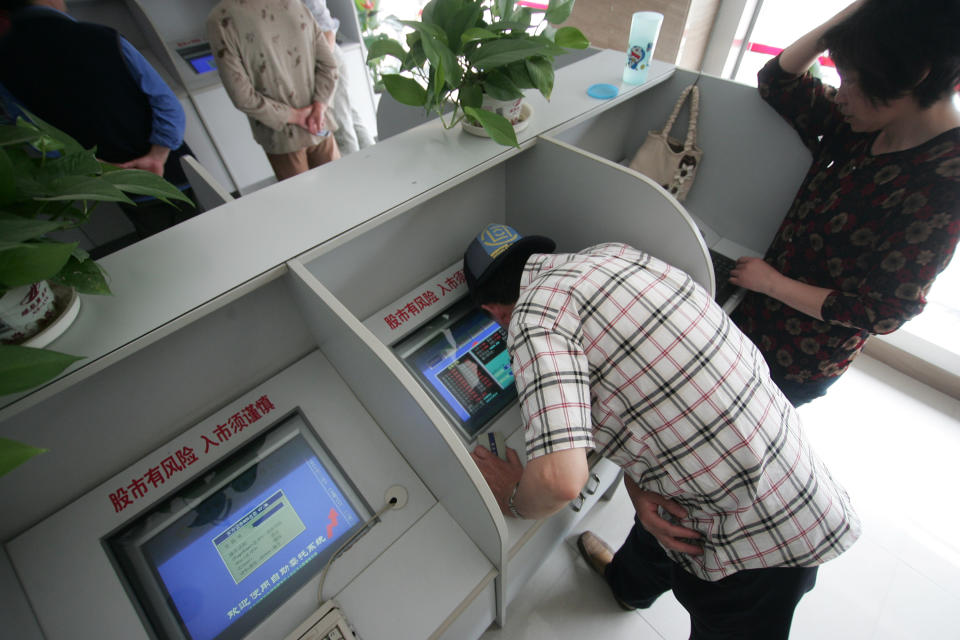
{"x":282,"y":295}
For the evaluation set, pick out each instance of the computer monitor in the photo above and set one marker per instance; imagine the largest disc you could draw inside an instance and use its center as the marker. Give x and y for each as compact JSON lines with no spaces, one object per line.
{"x":460,"y":357}
{"x":222,"y":554}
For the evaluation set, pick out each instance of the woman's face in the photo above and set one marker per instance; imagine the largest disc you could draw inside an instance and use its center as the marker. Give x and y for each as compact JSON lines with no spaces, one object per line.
{"x":862,"y":114}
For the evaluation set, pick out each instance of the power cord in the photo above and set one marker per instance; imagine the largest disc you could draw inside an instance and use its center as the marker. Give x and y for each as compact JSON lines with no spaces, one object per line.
{"x":396,"y":499}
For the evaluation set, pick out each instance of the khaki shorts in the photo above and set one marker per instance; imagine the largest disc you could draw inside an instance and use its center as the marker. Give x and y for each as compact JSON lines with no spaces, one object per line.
{"x":287,"y":165}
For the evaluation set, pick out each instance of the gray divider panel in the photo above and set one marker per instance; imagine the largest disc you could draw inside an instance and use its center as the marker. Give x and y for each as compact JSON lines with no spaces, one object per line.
{"x":753,"y":161}
{"x":561,"y":192}
{"x":404,"y":412}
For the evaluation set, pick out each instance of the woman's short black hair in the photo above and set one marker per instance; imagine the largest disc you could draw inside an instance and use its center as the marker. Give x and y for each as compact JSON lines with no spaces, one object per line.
{"x":503,"y":285}
{"x":900,"y":47}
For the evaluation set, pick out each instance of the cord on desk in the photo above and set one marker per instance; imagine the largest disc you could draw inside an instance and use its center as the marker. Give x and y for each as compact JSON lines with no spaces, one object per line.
{"x":343,"y":547}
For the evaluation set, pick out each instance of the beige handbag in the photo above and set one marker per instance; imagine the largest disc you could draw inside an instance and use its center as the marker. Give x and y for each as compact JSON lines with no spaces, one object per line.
{"x":669,"y":163}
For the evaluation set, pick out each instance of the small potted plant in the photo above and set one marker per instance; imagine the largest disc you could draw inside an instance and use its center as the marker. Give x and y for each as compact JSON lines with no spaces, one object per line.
{"x":49,"y":182}
{"x":463,"y":52}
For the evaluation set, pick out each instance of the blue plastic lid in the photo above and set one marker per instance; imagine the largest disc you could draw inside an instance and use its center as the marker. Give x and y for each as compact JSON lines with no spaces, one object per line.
{"x":603,"y":91}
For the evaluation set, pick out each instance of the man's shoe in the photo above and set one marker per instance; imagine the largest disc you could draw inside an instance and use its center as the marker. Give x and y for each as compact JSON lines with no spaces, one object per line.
{"x":598,"y":555}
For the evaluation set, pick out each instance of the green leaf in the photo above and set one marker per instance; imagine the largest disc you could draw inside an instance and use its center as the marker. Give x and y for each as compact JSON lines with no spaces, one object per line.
{"x":558,"y":11}
{"x":23,"y":368}
{"x":33,"y":262}
{"x":496,"y":53}
{"x":502,"y":8}
{"x":386,"y":47}
{"x":442,"y":60}
{"x":13,"y":454}
{"x":522,"y":16}
{"x":477,"y":33}
{"x":541,"y":73}
{"x":65,"y":142}
{"x":520,"y":76}
{"x":425,"y":29}
{"x":11,"y":135}
{"x":85,"y":188}
{"x":571,"y":38}
{"x":499,"y":128}
{"x":74,"y":164}
{"x":471,"y":96}
{"x":405,"y":90}
{"x":145,"y":183}
{"x":8,"y":183}
{"x":499,"y":86}
{"x":18,"y":229}
{"x":85,"y":276}
{"x":463,"y":20}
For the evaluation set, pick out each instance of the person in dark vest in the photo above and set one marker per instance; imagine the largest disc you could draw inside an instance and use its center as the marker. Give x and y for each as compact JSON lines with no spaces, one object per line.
{"x":90,"y":82}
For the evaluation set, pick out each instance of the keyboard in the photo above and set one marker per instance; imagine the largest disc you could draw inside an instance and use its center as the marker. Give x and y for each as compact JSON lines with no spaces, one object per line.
{"x":722,"y":266}
{"x":327,"y":623}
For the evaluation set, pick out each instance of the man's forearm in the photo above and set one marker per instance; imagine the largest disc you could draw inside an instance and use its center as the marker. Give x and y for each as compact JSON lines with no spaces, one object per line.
{"x":550,"y":482}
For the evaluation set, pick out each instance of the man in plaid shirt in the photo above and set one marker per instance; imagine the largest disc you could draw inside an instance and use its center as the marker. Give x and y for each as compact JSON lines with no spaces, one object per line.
{"x":617,"y":351}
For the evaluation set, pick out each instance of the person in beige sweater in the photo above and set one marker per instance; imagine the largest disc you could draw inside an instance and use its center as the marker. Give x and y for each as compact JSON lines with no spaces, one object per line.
{"x":277,"y":68}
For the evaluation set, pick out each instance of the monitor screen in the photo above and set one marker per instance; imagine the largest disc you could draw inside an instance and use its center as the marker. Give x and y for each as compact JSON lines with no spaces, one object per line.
{"x":228,"y":549}
{"x":461,"y":358}
{"x":203,"y":64}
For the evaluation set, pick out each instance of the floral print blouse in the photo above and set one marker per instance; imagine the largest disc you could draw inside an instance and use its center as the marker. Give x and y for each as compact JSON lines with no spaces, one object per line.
{"x":876,"y":229}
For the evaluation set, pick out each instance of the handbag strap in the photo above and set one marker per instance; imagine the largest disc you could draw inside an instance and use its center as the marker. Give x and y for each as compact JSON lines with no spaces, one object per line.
{"x":694,"y":92}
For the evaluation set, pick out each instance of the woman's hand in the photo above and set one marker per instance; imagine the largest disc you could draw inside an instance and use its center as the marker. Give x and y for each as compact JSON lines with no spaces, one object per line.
{"x":666,"y":533}
{"x":756,"y":275}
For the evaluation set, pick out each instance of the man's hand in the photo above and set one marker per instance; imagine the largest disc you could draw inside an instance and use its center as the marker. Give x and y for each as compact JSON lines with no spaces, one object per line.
{"x":309,"y":117}
{"x":501,"y":475}
{"x":315,"y":119}
{"x":646,"y":503}
{"x":301,"y":118}
{"x":153,"y":161}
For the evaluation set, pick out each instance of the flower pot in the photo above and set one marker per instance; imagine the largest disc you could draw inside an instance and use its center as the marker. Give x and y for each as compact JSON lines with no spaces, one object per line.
{"x":525,"y":111}
{"x":36,"y":314}
{"x":512,"y":110}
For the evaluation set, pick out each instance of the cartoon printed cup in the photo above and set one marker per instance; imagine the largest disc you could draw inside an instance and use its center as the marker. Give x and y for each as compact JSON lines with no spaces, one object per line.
{"x":644,"y":31}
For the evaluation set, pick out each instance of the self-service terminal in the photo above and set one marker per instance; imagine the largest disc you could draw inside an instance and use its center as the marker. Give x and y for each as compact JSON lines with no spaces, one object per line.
{"x":292,"y":447}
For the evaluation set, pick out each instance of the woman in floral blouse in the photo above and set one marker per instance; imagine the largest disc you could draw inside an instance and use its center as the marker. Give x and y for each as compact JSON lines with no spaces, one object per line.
{"x":878,"y":214}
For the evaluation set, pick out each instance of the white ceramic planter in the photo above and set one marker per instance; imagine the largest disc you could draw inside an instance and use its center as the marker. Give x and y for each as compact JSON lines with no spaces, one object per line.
{"x":23,"y":310}
{"x":37,"y":314}
{"x":526,"y":111}
{"x":512,"y":110}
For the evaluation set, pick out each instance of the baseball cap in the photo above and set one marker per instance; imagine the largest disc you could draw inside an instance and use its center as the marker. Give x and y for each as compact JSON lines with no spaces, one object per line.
{"x":493,"y":245}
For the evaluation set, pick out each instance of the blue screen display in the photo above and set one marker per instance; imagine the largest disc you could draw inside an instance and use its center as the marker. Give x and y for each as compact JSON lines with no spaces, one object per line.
{"x":465,"y":364}
{"x":203,"y":64}
{"x":273,"y":525}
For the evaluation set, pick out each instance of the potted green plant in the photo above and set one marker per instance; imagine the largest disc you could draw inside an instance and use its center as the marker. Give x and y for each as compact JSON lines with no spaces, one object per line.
{"x":49,"y":182}
{"x":462,"y":50}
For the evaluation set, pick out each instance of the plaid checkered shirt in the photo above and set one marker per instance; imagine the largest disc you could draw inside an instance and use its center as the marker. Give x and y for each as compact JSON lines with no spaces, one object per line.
{"x":615,"y":350}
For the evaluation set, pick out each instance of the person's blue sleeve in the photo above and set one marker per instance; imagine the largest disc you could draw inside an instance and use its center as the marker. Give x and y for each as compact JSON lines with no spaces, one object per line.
{"x":168,"y":121}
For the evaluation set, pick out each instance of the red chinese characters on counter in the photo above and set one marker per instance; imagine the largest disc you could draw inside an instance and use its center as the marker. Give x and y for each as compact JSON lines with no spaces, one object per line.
{"x":155,"y":476}
{"x":413,"y":307}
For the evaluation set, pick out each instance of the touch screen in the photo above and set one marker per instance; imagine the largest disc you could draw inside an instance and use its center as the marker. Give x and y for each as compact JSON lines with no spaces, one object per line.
{"x":462,"y":358}
{"x":222,"y":555}
{"x":203,"y":64}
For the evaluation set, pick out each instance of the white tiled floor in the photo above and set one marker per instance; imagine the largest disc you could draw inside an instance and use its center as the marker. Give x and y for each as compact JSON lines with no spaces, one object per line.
{"x":895,"y":445}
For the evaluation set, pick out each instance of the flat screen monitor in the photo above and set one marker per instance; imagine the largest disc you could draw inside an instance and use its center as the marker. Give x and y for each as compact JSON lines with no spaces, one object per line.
{"x":461,"y":358}
{"x":220,"y":556}
{"x":199,"y":57}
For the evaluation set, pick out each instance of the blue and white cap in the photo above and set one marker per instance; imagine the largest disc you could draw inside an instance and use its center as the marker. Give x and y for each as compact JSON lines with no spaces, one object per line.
{"x":491,"y":247}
